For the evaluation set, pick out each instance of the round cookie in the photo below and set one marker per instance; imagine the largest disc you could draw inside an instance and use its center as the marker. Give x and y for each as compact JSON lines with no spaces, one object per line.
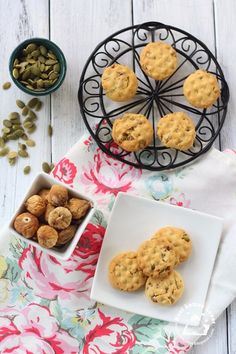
{"x":119,"y":82}
{"x":177,"y":131}
{"x":201,"y":89}
{"x":132,"y":132}
{"x":165,"y":291}
{"x":178,"y":238}
{"x":155,"y":258}
{"x":124,"y":273}
{"x":158,"y":60}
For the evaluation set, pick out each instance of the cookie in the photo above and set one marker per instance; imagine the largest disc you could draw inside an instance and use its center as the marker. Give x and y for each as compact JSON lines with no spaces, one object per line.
{"x":177,"y":131}
{"x":155,"y":258}
{"x":201,"y":89}
{"x":158,"y":60}
{"x":119,"y":82}
{"x":165,"y":291}
{"x":132,"y":132}
{"x":124,"y":273}
{"x":179,"y":239}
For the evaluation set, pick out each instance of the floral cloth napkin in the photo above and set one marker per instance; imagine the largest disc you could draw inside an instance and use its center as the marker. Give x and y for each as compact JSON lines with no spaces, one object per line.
{"x":44,"y":303}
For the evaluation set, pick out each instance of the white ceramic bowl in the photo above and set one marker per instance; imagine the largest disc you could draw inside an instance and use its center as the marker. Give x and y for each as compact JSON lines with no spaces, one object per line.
{"x":42,"y":180}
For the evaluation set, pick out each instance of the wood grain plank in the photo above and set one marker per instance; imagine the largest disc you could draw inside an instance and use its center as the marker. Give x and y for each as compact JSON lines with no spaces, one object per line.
{"x":20,"y":20}
{"x":77,"y":27}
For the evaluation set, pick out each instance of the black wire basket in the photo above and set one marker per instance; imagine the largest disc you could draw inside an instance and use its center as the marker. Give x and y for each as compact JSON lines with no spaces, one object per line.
{"x":154,"y":99}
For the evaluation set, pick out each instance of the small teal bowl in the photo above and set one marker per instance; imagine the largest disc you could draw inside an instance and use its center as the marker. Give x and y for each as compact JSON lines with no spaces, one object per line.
{"x":49,"y":45}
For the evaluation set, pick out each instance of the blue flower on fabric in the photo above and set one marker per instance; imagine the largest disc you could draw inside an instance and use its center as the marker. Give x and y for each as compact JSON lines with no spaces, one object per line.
{"x":160,"y":186}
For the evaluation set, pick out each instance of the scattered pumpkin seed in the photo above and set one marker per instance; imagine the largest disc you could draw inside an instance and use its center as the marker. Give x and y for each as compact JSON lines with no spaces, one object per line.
{"x":24,"y":137}
{"x":22,"y":146}
{"x":6,"y":130}
{"x":23,"y":153}
{"x":30,"y":142}
{"x":30,"y":48}
{"x":32,"y":115}
{"x":7,"y":123}
{"x":15,"y":73}
{"x":32,"y":103}
{"x":19,"y":133}
{"x":46,"y":167}
{"x":6,"y":85}
{"x":20,"y":104}
{"x":32,"y":129}
{"x":28,"y":124}
{"x":12,"y":136}
{"x":4,"y":151}
{"x":38,"y":106}
{"x":13,"y":115}
{"x":25,"y":111}
{"x":27,"y":170}
{"x":12,"y":162}
{"x":50,"y":130}
{"x":2,"y":142}
{"x":12,"y":155}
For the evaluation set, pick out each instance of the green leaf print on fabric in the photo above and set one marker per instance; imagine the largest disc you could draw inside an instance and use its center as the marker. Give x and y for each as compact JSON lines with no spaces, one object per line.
{"x":144,"y":349}
{"x":56,"y":310}
{"x":146,"y":328}
{"x":13,"y":271}
{"x":98,"y":219}
{"x":17,"y":246}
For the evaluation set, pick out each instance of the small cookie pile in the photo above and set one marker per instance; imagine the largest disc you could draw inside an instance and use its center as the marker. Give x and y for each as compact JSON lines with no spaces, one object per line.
{"x":153,"y":264}
{"x":51,"y":217}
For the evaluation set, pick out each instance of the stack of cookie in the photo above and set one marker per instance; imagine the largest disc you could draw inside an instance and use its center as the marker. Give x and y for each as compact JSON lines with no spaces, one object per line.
{"x":153,"y":266}
{"x":158,"y":60}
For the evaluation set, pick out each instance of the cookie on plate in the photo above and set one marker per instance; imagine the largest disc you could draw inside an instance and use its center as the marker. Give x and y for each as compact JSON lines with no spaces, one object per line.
{"x":165,"y":291}
{"x":132,"y":132}
{"x":156,"y":258}
{"x":158,"y":60}
{"x":177,"y":131}
{"x":119,"y":82}
{"x":124,"y":272}
{"x":201,"y":89}
{"x":178,"y":238}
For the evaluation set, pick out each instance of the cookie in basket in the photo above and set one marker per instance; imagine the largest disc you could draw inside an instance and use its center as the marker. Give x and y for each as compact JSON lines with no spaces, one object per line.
{"x":156,"y":258}
{"x":119,"y":82}
{"x":132,"y":132}
{"x":124,"y":273}
{"x":177,"y":131}
{"x":201,"y":89}
{"x":178,"y":238}
{"x":165,"y":291}
{"x":158,"y":60}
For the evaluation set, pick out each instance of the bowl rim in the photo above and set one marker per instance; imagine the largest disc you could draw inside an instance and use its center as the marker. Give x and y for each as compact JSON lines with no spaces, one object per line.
{"x":61,"y":59}
{"x":63,"y":255}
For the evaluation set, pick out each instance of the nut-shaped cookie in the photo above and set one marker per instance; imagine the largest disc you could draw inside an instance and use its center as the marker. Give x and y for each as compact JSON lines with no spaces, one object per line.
{"x":124,"y":272}
{"x":132,"y":132}
{"x":119,"y":82}
{"x":158,"y":60}
{"x":201,"y":89}
{"x":60,"y":218}
{"x":179,"y":239}
{"x":165,"y":291}
{"x":66,"y":235}
{"x":78,"y":207}
{"x":177,"y":131}
{"x":58,"y":195}
{"x":156,"y":258}
{"x":47,"y":236}
{"x":26,"y":224}
{"x":35,"y":205}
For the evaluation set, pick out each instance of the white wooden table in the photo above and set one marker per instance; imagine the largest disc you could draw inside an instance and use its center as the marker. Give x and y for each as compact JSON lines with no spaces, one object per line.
{"x":77,"y":26}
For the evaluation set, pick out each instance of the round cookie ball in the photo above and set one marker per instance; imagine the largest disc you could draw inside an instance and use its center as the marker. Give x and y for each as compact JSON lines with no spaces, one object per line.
{"x":59,"y":218}
{"x":119,"y":82}
{"x":158,"y":60}
{"x":178,"y":238}
{"x":47,"y":236}
{"x":201,"y":89}
{"x":35,"y":205}
{"x":26,"y":224}
{"x":155,"y":258}
{"x":132,"y":132}
{"x":124,"y":272}
{"x":177,"y":131}
{"x":165,"y":291}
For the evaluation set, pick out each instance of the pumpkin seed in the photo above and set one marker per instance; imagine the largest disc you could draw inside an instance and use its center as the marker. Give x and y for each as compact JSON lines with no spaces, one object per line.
{"x":24,"y":137}
{"x":35,"y":53}
{"x":28,"y":125}
{"x":44,"y":76}
{"x":20,"y":104}
{"x":30,"y":87}
{"x":16,"y":61}
{"x":32,"y":103}
{"x":23,"y":153}
{"x":27,"y":170}
{"x":28,"y":119}
{"x":35,"y":70}
{"x":19,"y":133}
{"x":30,"y":142}
{"x":53,"y":75}
{"x":47,"y":83}
{"x":13,"y":115}
{"x":7,"y":123}
{"x":4,"y":151}
{"x":6,"y":85}
{"x":12,"y":136}
{"x":15,"y":73}
{"x":22,"y":146}
{"x":40,"y":83}
{"x":12,"y":155}
{"x":51,"y":62}
{"x":56,"y":67}
{"x":26,"y":74}
{"x":50,"y":130}
{"x":38,"y":106}
{"x":32,"y":115}
{"x":15,"y":127}
{"x":25,"y":111}
{"x":12,"y":162}
{"x":46,"y":167}
{"x":32,"y":129}
{"x":43,"y":50}
{"x":41,"y":59}
{"x":42,"y":67}
{"x":6,"y":130}
{"x":31,"y":61}
{"x":30,"y":48}
{"x":2,"y":142}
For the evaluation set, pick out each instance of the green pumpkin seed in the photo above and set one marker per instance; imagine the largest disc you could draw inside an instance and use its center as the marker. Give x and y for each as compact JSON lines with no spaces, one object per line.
{"x":30,"y":143}
{"x":32,"y":103}
{"x":15,"y":73}
{"x":26,"y":74}
{"x":6,"y":85}
{"x":48,"y":67}
{"x":31,"y":61}
{"x":16,"y":61}
{"x":38,"y":106}
{"x":56,"y":67}
{"x":51,"y":62}
{"x":30,"y":87}
{"x":2,"y":142}
{"x":12,"y":162}
{"x":6,"y":130}
{"x":44,"y":76}
{"x":41,"y":59}
{"x":35,"y":70}
{"x":20,"y":104}
{"x":13,"y":115}
{"x":46,"y":167}
{"x":24,"y":137}
{"x":47,"y":83}
{"x":40,"y":83}
{"x":53,"y":75}
{"x":51,"y":55}
{"x":22,"y":146}
{"x":12,"y":155}
{"x":42,"y":67}
{"x":12,"y":136}
{"x":30,"y":48}
{"x":15,"y":127}
{"x":32,"y":129}
{"x":7,"y":123}
{"x":4,"y":151}
{"x":19,"y":133}
{"x":28,"y":119}
{"x":35,"y":53}
{"x":28,"y":125}
{"x":23,"y":153}
{"x":43,"y":50}
{"x":25,"y":111}
{"x":27,"y":170}
{"x":50,"y":130}
{"x":32,"y":115}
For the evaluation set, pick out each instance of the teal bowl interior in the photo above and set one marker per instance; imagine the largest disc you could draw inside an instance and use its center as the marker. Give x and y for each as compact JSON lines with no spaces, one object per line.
{"x":49,"y":45}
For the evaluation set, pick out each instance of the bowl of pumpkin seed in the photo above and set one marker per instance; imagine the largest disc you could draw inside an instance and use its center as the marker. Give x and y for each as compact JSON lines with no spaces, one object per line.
{"x":37,"y":66}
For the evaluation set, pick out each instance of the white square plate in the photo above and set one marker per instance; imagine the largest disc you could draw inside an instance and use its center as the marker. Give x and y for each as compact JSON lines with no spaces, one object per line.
{"x":135,"y":219}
